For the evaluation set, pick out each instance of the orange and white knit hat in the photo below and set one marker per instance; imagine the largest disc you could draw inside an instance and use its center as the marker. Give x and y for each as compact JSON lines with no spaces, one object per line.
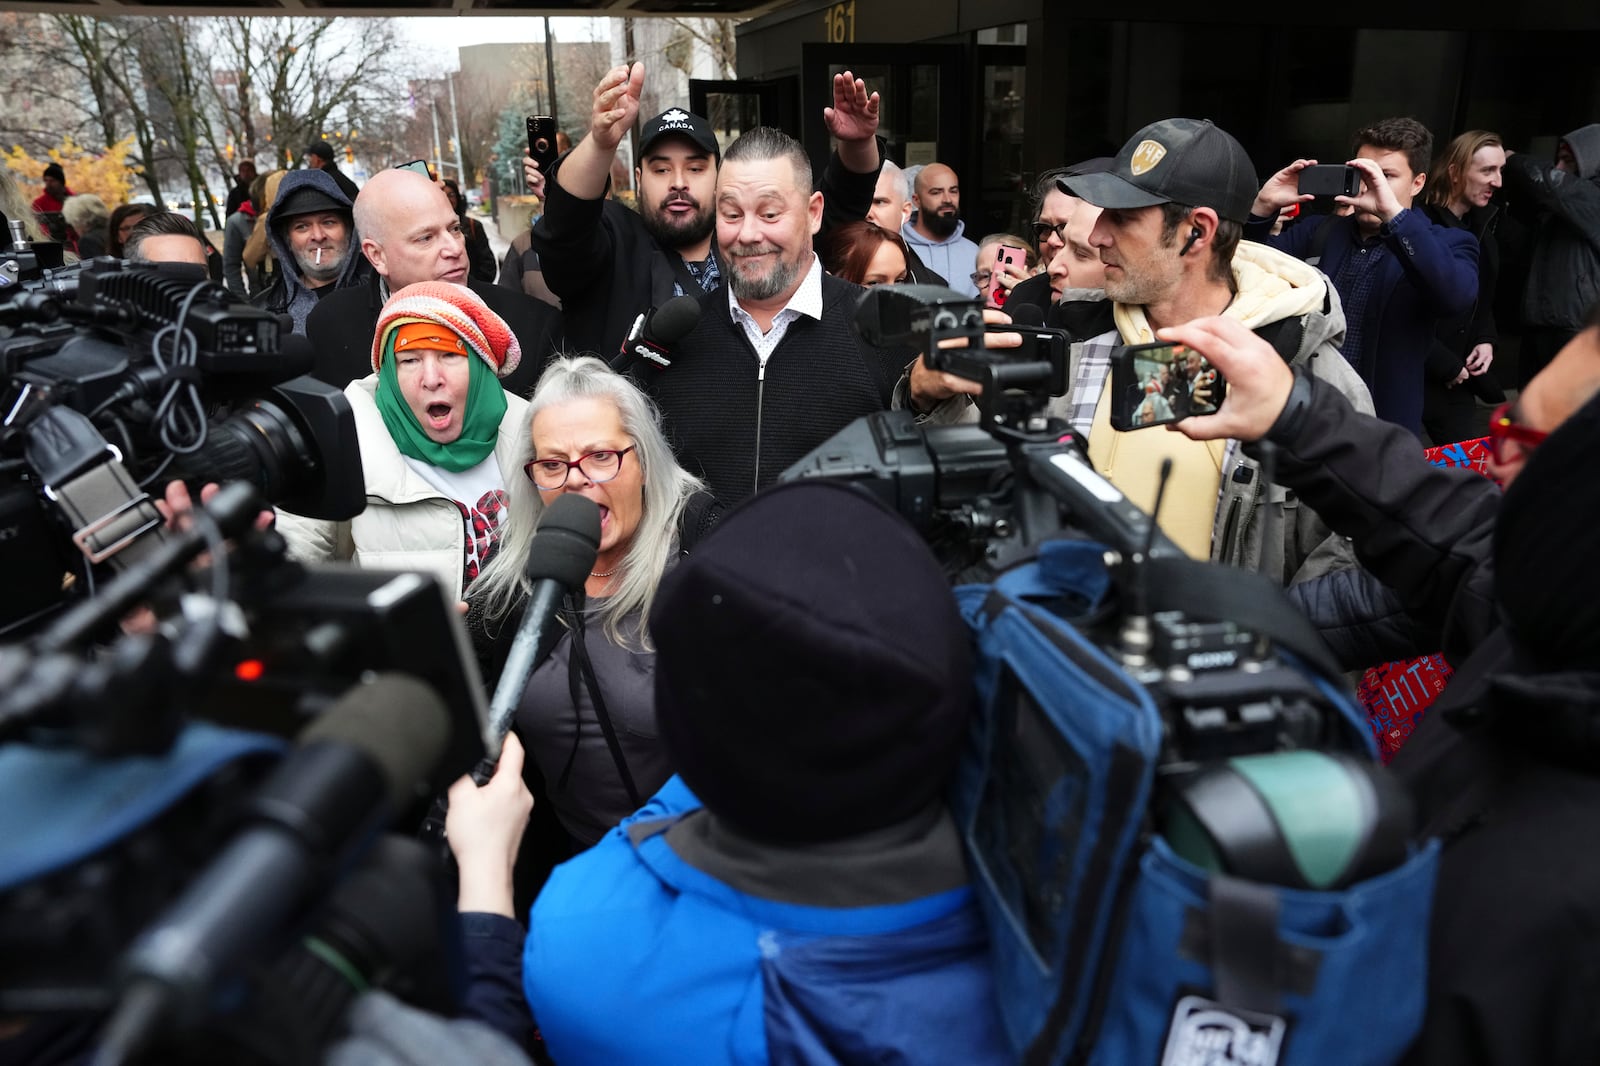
{"x":456,"y":308}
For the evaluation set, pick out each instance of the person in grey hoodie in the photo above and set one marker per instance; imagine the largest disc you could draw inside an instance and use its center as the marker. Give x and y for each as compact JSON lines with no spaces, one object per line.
{"x":311,"y":229}
{"x":935,"y":233}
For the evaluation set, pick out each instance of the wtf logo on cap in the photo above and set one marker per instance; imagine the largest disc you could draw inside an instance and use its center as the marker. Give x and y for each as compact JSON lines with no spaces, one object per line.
{"x":1146,"y":156}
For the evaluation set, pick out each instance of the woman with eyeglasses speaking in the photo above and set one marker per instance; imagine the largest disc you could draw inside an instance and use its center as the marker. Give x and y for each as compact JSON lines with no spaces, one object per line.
{"x":439,"y":441}
{"x":587,"y":718}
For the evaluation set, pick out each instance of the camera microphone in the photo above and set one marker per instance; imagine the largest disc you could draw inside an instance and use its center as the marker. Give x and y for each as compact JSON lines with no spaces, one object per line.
{"x":1025,"y":315}
{"x":563,"y":553}
{"x":656,"y":331}
{"x":355,"y":767}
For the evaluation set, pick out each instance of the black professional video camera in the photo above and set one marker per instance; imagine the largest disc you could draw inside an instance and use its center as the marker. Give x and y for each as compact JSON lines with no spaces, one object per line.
{"x":986,"y":494}
{"x":192,"y":818}
{"x":118,"y":379}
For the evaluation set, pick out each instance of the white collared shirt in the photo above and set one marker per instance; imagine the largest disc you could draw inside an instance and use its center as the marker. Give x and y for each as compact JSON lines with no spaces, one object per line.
{"x":807,"y":300}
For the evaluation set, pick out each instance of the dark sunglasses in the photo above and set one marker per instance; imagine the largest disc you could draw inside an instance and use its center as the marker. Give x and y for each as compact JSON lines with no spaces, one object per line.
{"x":1043,"y":230}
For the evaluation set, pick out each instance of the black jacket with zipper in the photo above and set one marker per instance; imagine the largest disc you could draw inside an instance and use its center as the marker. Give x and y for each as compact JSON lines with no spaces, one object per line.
{"x":739,"y":425}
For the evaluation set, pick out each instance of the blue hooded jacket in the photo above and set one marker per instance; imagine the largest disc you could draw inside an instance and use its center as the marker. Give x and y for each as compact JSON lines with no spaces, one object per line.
{"x":634,"y":955}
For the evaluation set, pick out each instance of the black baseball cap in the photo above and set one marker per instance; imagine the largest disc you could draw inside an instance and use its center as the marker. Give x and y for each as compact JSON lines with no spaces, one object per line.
{"x":321,"y":149}
{"x":1177,"y":160}
{"x":677,"y":121}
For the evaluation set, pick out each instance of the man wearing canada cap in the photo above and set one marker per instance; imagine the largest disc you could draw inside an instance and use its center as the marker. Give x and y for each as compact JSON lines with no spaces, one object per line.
{"x":1174,"y":203}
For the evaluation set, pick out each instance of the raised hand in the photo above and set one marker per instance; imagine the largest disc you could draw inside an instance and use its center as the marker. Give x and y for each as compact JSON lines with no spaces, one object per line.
{"x":1376,"y":197}
{"x":854,"y":115}
{"x":616,"y":105}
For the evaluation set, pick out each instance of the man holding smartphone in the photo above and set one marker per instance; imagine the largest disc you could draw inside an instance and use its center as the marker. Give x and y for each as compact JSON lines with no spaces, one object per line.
{"x":1396,"y":271}
{"x":1173,"y":206}
{"x":607,"y":263}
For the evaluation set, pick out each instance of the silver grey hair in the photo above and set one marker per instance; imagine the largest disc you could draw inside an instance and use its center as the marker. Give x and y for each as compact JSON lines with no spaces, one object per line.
{"x":85,"y":212}
{"x":764,"y":142}
{"x":15,"y":205}
{"x":667,"y":488}
{"x":902,"y":181}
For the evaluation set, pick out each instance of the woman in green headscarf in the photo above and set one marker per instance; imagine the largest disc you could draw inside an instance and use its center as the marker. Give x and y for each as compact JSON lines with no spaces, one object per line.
{"x":439,"y":439}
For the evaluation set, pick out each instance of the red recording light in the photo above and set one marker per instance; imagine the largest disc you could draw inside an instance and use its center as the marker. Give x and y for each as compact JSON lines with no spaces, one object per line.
{"x":249,"y":670}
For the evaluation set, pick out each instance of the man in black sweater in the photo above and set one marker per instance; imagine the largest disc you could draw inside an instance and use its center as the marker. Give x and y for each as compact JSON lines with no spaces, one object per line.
{"x":774,"y":367}
{"x":607,"y":263}
{"x":412,"y":234}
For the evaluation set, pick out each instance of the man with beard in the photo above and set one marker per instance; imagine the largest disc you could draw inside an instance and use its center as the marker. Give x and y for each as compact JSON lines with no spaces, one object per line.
{"x":1173,"y":208}
{"x":891,"y":210}
{"x":312,"y":233}
{"x":936,"y":233}
{"x":608,"y":264}
{"x":774,"y":367}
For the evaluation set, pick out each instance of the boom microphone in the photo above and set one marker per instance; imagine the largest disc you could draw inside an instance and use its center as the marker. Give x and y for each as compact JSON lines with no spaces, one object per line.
{"x":656,"y":331}
{"x":356,"y":765}
{"x":563,"y":553}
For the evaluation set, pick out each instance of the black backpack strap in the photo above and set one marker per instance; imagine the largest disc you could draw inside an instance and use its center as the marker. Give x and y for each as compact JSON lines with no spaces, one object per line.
{"x":1244,"y":944}
{"x":1228,"y":594}
{"x":579,"y":666}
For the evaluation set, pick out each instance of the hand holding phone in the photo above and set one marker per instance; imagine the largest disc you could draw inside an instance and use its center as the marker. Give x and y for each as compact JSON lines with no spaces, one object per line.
{"x":419,"y":166}
{"x":1330,"y":180}
{"x":542,"y":140}
{"x":1007,"y":261}
{"x":1161,"y":383}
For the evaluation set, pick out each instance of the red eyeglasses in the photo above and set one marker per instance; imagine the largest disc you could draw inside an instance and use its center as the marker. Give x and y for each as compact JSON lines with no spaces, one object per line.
{"x":1502,"y":429}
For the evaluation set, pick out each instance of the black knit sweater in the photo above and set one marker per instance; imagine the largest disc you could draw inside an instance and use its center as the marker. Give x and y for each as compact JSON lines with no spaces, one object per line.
{"x":739,"y":428}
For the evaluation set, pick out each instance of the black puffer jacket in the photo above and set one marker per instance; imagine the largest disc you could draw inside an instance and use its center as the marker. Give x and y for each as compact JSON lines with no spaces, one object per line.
{"x":1564,"y":212}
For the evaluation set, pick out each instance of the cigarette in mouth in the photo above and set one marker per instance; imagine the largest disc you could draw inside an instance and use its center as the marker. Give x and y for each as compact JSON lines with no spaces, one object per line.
{"x":319,"y":257}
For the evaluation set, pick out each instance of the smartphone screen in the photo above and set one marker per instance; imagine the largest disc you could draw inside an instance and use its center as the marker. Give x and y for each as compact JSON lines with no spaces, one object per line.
{"x":418,"y":165}
{"x":1158,"y":384}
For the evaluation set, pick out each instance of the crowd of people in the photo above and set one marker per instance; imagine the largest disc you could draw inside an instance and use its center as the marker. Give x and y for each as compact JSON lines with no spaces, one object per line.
{"x":735,"y":756}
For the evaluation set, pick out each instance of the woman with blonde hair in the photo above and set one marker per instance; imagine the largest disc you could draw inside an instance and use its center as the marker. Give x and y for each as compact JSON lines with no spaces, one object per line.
{"x":1023,"y":264}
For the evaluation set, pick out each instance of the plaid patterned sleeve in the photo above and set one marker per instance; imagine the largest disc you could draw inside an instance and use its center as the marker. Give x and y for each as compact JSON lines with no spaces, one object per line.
{"x":1094,"y":363}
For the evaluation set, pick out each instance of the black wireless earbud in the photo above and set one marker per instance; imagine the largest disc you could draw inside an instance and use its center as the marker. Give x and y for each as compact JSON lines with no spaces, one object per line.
{"x":1194,"y":235}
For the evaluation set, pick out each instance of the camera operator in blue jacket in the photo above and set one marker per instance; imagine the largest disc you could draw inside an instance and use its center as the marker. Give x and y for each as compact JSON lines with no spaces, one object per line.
{"x":811,"y":891}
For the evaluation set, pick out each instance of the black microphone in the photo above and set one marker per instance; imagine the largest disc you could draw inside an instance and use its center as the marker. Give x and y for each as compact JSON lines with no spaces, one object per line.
{"x":656,"y":331}
{"x":1026,"y":315}
{"x":559,"y":562}
{"x":356,"y":765}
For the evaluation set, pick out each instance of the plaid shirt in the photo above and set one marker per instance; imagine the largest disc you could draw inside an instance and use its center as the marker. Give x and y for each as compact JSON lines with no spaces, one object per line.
{"x":708,"y":274}
{"x":1358,"y":275}
{"x":1089,"y":380}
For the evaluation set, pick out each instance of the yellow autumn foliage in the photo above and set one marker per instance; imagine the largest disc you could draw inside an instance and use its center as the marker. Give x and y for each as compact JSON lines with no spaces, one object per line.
{"x":107,"y":174}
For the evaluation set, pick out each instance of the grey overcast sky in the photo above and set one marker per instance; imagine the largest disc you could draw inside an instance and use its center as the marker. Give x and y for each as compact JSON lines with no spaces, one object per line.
{"x":438,"y":38}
